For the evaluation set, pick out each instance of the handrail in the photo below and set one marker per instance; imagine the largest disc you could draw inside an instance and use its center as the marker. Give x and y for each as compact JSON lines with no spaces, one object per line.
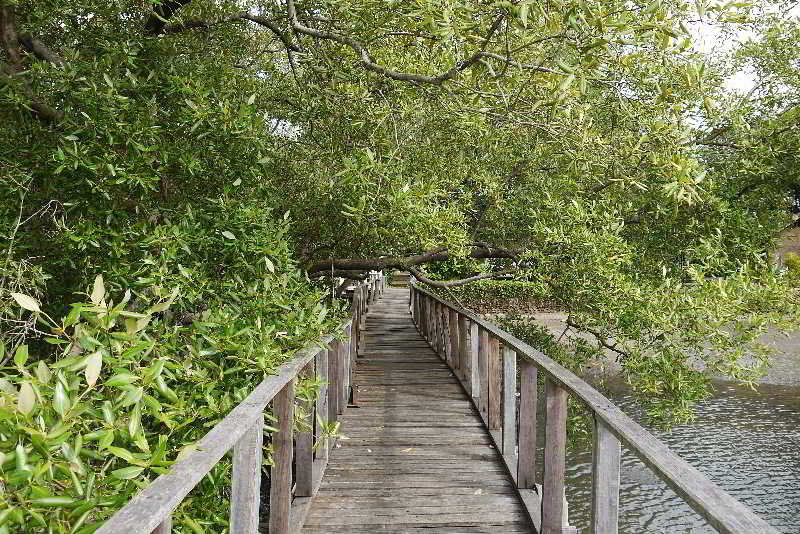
{"x":472,"y":350}
{"x":150,"y":512}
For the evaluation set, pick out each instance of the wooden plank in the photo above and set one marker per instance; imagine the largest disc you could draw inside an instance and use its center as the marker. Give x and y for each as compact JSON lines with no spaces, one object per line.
{"x":322,"y":404}
{"x":455,"y":352}
{"x":510,"y":404}
{"x":464,"y":356}
{"x":246,"y":480}
{"x":555,"y":447}
{"x":165,"y":527}
{"x":528,"y":400}
{"x":304,"y":445}
{"x":447,"y":352}
{"x":280,"y":490}
{"x":495,"y":375}
{"x":483,"y":374}
{"x":605,"y":480}
{"x":474,"y":360}
{"x":334,"y":380}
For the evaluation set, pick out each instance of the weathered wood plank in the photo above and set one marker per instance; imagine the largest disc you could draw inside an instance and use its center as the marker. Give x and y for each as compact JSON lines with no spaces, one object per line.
{"x":510,"y":404}
{"x":464,"y":356}
{"x":304,"y":445}
{"x":246,"y":480}
{"x":334,"y":380}
{"x":605,"y":480}
{"x":555,"y":447}
{"x":322,"y":404}
{"x":483,"y":374}
{"x":165,"y":527}
{"x":528,"y":400}
{"x":495,"y":375}
{"x":280,"y":494}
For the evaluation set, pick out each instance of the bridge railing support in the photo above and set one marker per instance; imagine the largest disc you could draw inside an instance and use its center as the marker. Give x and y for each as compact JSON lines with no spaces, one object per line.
{"x":496,"y":368}
{"x":242,"y":431}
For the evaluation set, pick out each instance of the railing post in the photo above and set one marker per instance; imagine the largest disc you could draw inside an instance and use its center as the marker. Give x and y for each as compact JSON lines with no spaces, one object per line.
{"x":455,"y":352}
{"x":495,"y":374}
{"x":510,"y":404}
{"x":474,"y":360}
{"x":304,"y":444}
{"x":555,"y":444}
{"x":464,"y":353}
{"x":605,"y":479}
{"x":528,"y":400}
{"x":483,"y":374}
{"x":437,"y":327}
{"x":246,"y":480}
{"x":165,"y":527}
{"x":334,"y":380}
{"x":280,"y":494}
{"x":322,"y":400}
{"x":447,"y":352}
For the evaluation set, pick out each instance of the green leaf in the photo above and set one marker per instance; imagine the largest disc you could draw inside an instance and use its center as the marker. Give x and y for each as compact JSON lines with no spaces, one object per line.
{"x":21,"y":356}
{"x":121,"y":379}
{"x":127,"y":473}
{"x":27,"y":302}
{"x":60,"y":399}
{"x":98,"y":291}
{"x":93,"y":366}
{"x":54,"y":502}
{"x":43,"y":372}
{"x":26,"y":399}
{"x":228,"y":235}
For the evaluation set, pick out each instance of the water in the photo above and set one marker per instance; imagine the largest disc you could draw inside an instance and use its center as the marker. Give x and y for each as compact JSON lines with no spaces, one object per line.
{"x":746,"y":442}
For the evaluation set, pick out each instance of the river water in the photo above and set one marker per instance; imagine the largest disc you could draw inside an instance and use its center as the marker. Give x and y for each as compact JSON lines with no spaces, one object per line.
{"x":747,"y":442}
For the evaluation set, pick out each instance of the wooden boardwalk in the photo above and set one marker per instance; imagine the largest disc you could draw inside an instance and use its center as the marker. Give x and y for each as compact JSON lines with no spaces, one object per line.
{"x":417,"y":458}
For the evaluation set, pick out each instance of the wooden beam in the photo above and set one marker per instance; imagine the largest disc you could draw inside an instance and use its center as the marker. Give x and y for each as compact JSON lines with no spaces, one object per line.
{"x":280,"y":494}
{"x":510,"y":404}
{"x":495,"y":374}
{"x":528,"y":400}
{"x":555,"y":448}
{"x":605,"y":480}
{"x":246,"y":480}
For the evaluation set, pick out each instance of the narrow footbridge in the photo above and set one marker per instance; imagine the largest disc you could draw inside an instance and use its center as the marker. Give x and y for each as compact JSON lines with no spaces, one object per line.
{"x":426,"y":421}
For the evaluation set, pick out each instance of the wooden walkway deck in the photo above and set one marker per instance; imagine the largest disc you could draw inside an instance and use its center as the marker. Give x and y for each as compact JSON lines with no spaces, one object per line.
{"x":418,"y":458}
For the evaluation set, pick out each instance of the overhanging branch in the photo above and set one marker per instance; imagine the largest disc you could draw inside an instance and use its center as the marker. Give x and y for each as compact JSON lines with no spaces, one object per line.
{"x":478,"y":251}
{"x":453,"y":283}
{"x":371,"y":65}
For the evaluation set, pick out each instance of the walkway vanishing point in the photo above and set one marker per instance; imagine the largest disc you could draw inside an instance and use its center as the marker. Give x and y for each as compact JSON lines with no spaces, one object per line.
{"x":438,"y":413}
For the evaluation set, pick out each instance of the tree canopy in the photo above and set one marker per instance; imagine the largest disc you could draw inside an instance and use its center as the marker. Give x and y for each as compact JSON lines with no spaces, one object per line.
{"x":586,"y":146}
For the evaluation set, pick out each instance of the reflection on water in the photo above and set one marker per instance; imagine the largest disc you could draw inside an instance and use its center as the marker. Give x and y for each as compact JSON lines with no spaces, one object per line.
{"x":746,"y":442}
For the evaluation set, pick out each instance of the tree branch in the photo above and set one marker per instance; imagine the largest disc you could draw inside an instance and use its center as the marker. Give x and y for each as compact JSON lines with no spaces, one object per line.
{"x":40,"y":50}
{"x":10,"y":42}
{"x":242,"y":15}
{"x":161,"y":14}
{"x":452,"y":283}
{"x":601,"y":339}
{"x":369,"y":63}
{"x":479,"y":251}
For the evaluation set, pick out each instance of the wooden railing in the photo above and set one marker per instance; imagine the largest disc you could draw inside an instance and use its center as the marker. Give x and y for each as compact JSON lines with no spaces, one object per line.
{"x":243,"y":430}
{"x":485,"y":359}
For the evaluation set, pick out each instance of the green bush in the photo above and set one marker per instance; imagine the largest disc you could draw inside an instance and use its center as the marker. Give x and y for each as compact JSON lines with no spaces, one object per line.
{"x":202,"y":309}
{"x":792,"y":263}
{"x":497,"y":294}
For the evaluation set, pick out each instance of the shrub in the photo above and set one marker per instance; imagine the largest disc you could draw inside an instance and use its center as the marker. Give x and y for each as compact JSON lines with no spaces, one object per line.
{"x":203,"y":309}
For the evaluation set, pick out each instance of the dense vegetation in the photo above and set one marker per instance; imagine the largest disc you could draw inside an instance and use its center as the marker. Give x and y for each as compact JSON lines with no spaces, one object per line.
{"x":214,"y":161}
